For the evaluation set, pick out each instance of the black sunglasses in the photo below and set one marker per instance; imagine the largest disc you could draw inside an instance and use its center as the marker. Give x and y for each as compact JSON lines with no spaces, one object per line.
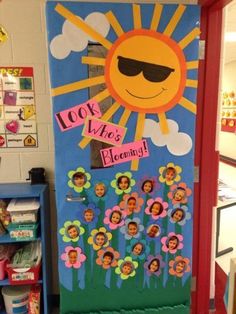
{"x":151,"y":72}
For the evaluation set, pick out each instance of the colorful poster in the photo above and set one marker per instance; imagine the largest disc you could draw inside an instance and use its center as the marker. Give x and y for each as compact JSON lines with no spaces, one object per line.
{"x":17,"y":108}
{"x":123,"y":85}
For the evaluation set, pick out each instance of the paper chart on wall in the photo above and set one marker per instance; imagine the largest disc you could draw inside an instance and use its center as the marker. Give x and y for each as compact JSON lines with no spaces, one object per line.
{"x":17,"y":108}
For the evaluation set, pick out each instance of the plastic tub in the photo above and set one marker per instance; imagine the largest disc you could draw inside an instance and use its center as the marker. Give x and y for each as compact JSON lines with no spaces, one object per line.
{"x":16,"y":299}
{"x":23,"y":210}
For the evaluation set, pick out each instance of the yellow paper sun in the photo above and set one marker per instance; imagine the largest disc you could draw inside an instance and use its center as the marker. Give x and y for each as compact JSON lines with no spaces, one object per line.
{"x":145,"y":71}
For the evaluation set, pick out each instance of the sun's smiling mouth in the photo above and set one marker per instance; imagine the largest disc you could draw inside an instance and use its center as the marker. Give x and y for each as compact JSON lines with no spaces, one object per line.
{"x":150,"y":97}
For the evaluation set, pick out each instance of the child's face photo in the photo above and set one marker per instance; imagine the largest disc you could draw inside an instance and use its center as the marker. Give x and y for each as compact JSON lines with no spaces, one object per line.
{"x":179,"y":268}
{"x":107,"y":259}
{"x":177,"y":216}
{"x":126,"y":269}
{"x":179,"y":195}
{"x":132,"y":229}
{"x":153,"y":231}
{"x":115,"y":218}
{"x":155,"y":208}
{"x":100,"y":190}
{"x":72,"y":257}
{"x":72,"y":232}
{"x":153,"y":266}
{"x":131,"y":205}
{"x":170,"y":174}
{"x":147,"y":187}
{"x":79,"y":179}
{"x":172,"y":244}
{"x":123,"y":183}
{"x":100,"y":239}
{"x":137,"y":249}
{"x":88,"y":215}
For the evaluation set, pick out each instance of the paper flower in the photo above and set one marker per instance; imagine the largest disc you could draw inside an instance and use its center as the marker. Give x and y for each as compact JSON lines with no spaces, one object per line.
{"x":123,"y":182}
{"x":71,"y":231}
{"x":156,"y":208}
{"x":132,"y":228}
{"x":114,"y":217}
{"x":107,"y":258}
{"x":89,"y":213}
{"x":148,"y":185}
{"x":73,"y":257}
{"x":131,"y":203}
{"x":153,"y":265}
{"x":170,"y":173}
{"x":138,"y":249}
{"x":179,"y":214}
{"x":172,"y":243}
{"x":99,"y":238}
{"x":179,"y":193}
{"x":126,"y":268}
{"x":79,"y":179}
{"x":100,"y":191}
{"x":179,"y":266}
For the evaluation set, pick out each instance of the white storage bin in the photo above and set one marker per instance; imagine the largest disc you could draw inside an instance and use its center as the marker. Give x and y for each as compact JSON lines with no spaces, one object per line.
{"x":23,"y":210}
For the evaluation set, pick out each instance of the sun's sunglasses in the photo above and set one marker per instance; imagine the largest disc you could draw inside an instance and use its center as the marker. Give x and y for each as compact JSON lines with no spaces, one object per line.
{"x":151,"y":72}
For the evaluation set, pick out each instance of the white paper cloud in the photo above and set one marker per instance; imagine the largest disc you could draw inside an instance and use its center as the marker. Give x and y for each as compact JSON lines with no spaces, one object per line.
{"x":74,"y":39}
{"x":178,"y":143}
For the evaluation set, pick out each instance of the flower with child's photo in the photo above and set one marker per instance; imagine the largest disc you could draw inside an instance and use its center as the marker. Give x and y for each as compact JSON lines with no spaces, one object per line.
{"x":179,"y":193}
{"x":99,"y":191}
{"x":172,"y":243}
{"x":148,"y":185}
{"x":156,"y":208}
{"x":88,"y":214}
{"x":79,"y":179}
{"x":154,"y":265}
{"x":170,"y":173}
{"x":138,"y":249}
{"x":114,"y":217}
{"x":123,"y":182}
{"x":132,"y":228}
{"x":179,"y":266}
{"x":179,"y":214}
{"x":131,"y":203}
{"x":107,"y":258}
{"x":73,"y":257}
{"x":126,"y":268}
{"x":71,"y":231}
{"x":99,"y":238}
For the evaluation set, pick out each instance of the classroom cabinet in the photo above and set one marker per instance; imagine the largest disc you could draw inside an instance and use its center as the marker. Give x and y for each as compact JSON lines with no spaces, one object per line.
{"x":41,"y":193}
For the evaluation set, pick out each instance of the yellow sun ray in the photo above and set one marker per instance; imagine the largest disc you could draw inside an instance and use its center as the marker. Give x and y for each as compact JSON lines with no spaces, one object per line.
{"x":138,"y":136}
{"x":163,"y":123}
{"x":187,"y":104}
{"x":114,"y":23}
{"x":137,"y":16}
{"x":125,"y":117}
{"x":189,"y":38}
{"x":68,"y":88}
{"x":107,"y":115}
{"x":174,"y":20}
{"x":68,"y":15}
{"x":102,"y":95}
{"x":93,"y":60}
{"x":156,"y":17}
{"x":191,"y":83}
{"x":192,"y":64}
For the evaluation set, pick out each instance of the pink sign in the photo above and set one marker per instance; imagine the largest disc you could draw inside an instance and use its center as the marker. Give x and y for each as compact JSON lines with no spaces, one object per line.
{"x":117,"y":155}
{"x":104,"y":131}
{"x":75,"y":116}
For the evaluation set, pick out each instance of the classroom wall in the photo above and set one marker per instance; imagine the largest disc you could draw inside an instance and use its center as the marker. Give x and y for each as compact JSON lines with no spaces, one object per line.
{"x":227,"y":141}
{"x":26,"y":46}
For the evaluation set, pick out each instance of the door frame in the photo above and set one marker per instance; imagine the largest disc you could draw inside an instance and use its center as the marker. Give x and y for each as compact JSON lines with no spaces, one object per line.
{"x":206,"y":156}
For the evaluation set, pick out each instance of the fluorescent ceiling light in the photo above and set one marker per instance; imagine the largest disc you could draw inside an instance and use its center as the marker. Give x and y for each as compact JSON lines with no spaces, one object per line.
{"x":230,"y":36}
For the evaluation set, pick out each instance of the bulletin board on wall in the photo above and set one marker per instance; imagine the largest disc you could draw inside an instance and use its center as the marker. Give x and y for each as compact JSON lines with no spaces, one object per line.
{"x":124,"y":83}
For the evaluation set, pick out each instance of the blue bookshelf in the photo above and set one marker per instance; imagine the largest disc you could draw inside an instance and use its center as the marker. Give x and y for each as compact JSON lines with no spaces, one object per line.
{"x":41,"y":192}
